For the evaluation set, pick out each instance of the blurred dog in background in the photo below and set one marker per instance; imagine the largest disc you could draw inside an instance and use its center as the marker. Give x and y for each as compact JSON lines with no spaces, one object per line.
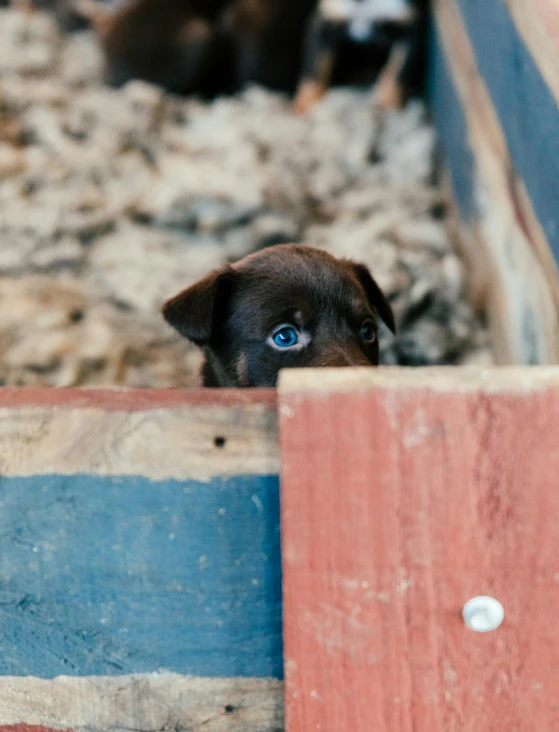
{"x":213,"y":47}
{"x":364,"y":42}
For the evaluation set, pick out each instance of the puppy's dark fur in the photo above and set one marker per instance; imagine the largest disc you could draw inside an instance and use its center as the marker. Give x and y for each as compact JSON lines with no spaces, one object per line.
{"x":233,"y":313}
{"x":174,"y":43}
{"x":205,"y":47}
{"x":267,"y":37}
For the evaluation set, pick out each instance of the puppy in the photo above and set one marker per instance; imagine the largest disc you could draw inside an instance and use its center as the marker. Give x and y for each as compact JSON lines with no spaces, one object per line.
{"x":284,"y":307}
{"x":174,"y":43}
{"x":267,"y":36}
{"x":364,"y":41}
{"x":204,"y":47}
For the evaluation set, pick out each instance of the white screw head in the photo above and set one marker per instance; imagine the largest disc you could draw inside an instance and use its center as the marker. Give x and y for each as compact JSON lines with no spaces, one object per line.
{"x":483,"y":614}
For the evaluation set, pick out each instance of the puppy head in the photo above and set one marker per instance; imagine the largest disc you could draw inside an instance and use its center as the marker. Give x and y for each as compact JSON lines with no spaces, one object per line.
{"x":284,"y":307}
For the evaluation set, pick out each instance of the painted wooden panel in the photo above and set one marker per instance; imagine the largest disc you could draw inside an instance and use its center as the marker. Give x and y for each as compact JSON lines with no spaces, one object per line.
{"x":503,"y":230}
{"x":538,"y":24}
{"x":527,"y":110}
{"x":403,"y":496}
{"x":126,"y":575}
{"x":140,"y":555}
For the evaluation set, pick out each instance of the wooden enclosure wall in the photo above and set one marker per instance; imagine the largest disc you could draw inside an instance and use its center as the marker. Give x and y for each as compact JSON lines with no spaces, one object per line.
{"x":139,"y":533}
{"x":405,"y":493}
{"x":494,"y":87}
{"x":140,"y":567}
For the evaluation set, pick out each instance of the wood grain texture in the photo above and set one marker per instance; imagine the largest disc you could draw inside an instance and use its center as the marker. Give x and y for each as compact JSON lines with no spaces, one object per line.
{"x":120,"y":399}
{"x":177,"y":441}
{"x":435,"y":378}
{"x":537,"y":22}
{"x":508,"y":248}
{"x":527,"y":110}
{"x":111,"y":576}
{"x":144,"y":703}
{"x":28,"y":728}
{"x":139,"y":533}
{"x":399,"y":504}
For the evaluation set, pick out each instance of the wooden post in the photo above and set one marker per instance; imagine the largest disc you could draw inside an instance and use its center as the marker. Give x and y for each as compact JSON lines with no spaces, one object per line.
{"x":405,"y":493}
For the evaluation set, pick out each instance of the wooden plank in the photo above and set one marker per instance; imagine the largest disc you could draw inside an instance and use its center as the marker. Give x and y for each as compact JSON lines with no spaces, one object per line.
{"x":145,"y":703}
{"x":27,"y":728}
{"x":537,"y":22}
{"x":119,"y":399}
{"x":403,"y":496}
{"x":526,"y":108}
{"x":158,"y":440}
{"x":105,"y":576}
{"x":506,"y":243}
{"x":139,"y":532}
{"x":483,"y":130}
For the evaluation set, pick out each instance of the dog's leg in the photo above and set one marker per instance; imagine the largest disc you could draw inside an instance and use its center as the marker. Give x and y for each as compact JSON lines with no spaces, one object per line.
{"x":243,"y":24}
{"x":199,"y":52}
{"x":389,"y":93}
{"x":403,"y":73}
{"x":320,"y":50}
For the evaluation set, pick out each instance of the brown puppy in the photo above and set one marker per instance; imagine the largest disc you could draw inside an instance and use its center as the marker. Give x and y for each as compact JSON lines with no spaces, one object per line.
{"x":267,"y":37}
{"x":206,"y":47}
{"x":174,"y":43}
{"x":286,"y":306}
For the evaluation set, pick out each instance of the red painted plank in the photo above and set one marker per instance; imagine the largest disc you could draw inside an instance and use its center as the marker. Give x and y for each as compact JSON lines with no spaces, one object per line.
{"x":133,"y":400}
{"x":399,"y":504}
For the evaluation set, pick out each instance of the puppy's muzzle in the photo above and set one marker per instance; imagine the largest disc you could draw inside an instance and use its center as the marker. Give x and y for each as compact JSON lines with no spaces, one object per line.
{"x":338,"y":357}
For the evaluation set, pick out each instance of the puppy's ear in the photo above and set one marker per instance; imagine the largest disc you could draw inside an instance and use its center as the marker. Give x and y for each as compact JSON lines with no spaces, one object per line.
{"x":195,"y":311}
{"x":375,"y":296}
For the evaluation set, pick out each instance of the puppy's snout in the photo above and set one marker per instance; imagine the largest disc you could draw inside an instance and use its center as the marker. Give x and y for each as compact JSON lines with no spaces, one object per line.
{"x":340,"y":357}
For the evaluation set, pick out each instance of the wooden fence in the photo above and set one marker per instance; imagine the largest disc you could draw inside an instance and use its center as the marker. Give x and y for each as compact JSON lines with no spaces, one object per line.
{"x":494,"y":88}
{"x":141,"y":573}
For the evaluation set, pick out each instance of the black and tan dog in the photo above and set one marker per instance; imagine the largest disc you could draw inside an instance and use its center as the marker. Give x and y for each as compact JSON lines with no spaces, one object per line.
{"x":364,"y":42}
{"x":286,"y":306}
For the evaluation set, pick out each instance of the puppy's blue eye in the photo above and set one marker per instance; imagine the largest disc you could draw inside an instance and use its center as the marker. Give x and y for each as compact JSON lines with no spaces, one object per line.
{"x":368,"y":331}
{"x":286,"y":337}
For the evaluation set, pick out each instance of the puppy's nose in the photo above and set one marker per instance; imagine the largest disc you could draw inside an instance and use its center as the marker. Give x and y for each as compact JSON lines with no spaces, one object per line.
{"x":339,"y":357}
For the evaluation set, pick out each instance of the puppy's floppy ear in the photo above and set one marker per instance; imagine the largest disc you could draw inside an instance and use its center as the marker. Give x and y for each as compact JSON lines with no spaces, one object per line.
{"x":194,"y":311}
{"x":375,"y":296}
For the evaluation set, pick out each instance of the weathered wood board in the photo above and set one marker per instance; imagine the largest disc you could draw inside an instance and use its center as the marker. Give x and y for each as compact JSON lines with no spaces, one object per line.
{"x":405,"y":493}
{"x":139,"y":535}
{"x":498,"y":120}
{"x":143,"y":702}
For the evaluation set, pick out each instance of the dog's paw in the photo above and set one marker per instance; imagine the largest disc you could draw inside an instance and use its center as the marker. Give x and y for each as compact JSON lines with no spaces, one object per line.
{"x":389,"y":95}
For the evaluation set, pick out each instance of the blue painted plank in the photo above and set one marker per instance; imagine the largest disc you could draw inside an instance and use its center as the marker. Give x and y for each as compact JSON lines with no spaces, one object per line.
{"x":451,"y":125}
{"x":526,"y":108}
{"x":104,"y":575}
